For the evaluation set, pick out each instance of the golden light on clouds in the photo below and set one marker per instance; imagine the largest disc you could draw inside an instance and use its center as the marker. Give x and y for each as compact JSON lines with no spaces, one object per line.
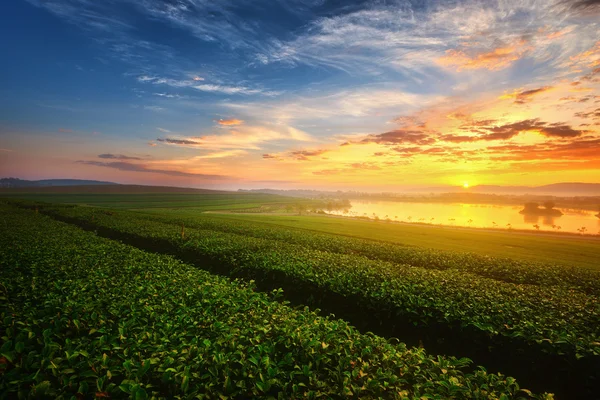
{"x":230,"y":122}
{"x":496,"y":59}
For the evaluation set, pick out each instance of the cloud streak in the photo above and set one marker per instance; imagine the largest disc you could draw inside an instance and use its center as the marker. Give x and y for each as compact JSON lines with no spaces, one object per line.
{"x":230,"y":122}
{"x":243,"y":137}
{"x":526,"y":96}
{"x":121,"y":157}
{"x":205,"y":87}
{"x":131,"y":167}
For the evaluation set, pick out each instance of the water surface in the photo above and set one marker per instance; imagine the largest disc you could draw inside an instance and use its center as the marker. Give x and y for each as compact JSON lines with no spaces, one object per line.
{"x":473,"y":215}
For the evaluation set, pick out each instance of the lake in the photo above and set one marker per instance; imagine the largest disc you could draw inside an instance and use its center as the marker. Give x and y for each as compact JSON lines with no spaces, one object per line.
{"x":473,"y":215}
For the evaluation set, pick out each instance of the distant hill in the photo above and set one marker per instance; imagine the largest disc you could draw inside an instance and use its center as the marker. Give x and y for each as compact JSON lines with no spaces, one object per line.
{"x":107,"y":189}
{"x":21,"y":183}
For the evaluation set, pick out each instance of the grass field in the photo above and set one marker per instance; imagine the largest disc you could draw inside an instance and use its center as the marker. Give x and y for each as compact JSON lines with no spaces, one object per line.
{"x":565,"y":249}
{"x":202,"y":202}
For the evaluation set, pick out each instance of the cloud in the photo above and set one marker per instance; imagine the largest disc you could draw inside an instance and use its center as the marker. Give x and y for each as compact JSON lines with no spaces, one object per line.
{"x":154,"y":108}
{"x":63,"y":130}
{"x":163,"y":130}
{"x":594,"y":114}
{"x":222,"y":154}
{"x":328,"y":172}
{"x":583,"y":5}
{"x":304,"y":155}
{"x":587,"y":59}
{"x":243,"y":137}
{"x":151,"y":144}
{"x":400,"y":136}
{"x":558,"y":34}
{"x":178,"y":141}
{"x":168,"y":95}
{"x":130,"y":167}
{"x":407,"y":151}
{"x":576,"y":152}
{"x":365,"y":166}
{"x":526,"y":96}
{"x":508,"y":131}
{"x":205,"y":87}
{"x":85,"y":14}
{"x":231,"y":89}
{"x":493,"y":60}
{"x":452,"y":138}
{"x":7,"y":150}
{"x":122,"y":157}
{"x":420,"y":39}
{"x":230,"y":122}
{"x":350,"y":169}
{"x":365,"y":101}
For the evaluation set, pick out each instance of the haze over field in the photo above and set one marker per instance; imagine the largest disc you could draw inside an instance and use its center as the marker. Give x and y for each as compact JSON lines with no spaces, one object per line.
{"x":301,"y":94}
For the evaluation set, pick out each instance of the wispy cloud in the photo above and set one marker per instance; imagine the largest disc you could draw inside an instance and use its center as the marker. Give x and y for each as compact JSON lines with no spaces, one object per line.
{"x":305,"y":155}
{"x":366,"y":101}
{"x":243,"y":138}
{"x":131,"y":167}
{"x":168,"y":95}
{"x":222,"y":154}
{"x":109,"y":156}
{"x":205,"y":87}
{"x":526,"y":96}
{"x":230,"y":122}
{"x":153,"y":108}
{"x":418,"y":41}
{"x":495,"y":59}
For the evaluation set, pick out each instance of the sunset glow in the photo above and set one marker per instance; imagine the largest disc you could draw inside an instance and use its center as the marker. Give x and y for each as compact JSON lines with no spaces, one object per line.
{"x":374,"y":96}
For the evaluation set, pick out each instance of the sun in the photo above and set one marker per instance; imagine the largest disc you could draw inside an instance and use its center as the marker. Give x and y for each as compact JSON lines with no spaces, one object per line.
{"x":466,"y":185}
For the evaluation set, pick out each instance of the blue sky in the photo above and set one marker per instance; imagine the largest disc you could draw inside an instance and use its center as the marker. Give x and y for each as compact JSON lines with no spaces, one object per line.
{"x":372,"y":94}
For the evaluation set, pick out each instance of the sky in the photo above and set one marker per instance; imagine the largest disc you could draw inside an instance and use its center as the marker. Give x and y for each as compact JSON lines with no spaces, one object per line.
{"x":292,"y":94}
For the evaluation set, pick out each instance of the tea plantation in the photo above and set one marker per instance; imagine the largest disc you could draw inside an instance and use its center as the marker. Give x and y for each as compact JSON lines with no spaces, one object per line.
{"x":84,"y":315}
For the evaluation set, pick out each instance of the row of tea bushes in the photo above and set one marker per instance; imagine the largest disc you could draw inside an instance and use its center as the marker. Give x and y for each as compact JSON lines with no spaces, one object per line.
{"x":555,"y":319}
{"x":84,"y":317}
{"x":503,"y":269}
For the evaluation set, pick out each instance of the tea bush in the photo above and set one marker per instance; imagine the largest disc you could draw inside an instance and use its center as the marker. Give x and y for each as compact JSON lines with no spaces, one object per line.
{"x":83,"y":316}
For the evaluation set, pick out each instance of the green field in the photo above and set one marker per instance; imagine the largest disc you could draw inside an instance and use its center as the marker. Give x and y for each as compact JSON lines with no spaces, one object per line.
{"x":122,"y":323}
{"x":202,"y":202}
{"x":521,"y":304}
{"x":565,"y":249}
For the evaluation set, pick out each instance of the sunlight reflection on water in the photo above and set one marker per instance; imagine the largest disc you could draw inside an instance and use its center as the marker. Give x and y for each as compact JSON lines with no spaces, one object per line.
{"x":474,"y":215}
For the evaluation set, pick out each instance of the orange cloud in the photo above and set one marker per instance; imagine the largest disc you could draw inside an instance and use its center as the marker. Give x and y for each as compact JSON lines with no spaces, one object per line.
{"x":525,"y":96}
{"x":493,"y":60}
{"x":229,"y":122}
{"x":587,"y":59}
{"x":245,"y":137}
{"x":581,"y":89}
{"x":557,"y":34}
